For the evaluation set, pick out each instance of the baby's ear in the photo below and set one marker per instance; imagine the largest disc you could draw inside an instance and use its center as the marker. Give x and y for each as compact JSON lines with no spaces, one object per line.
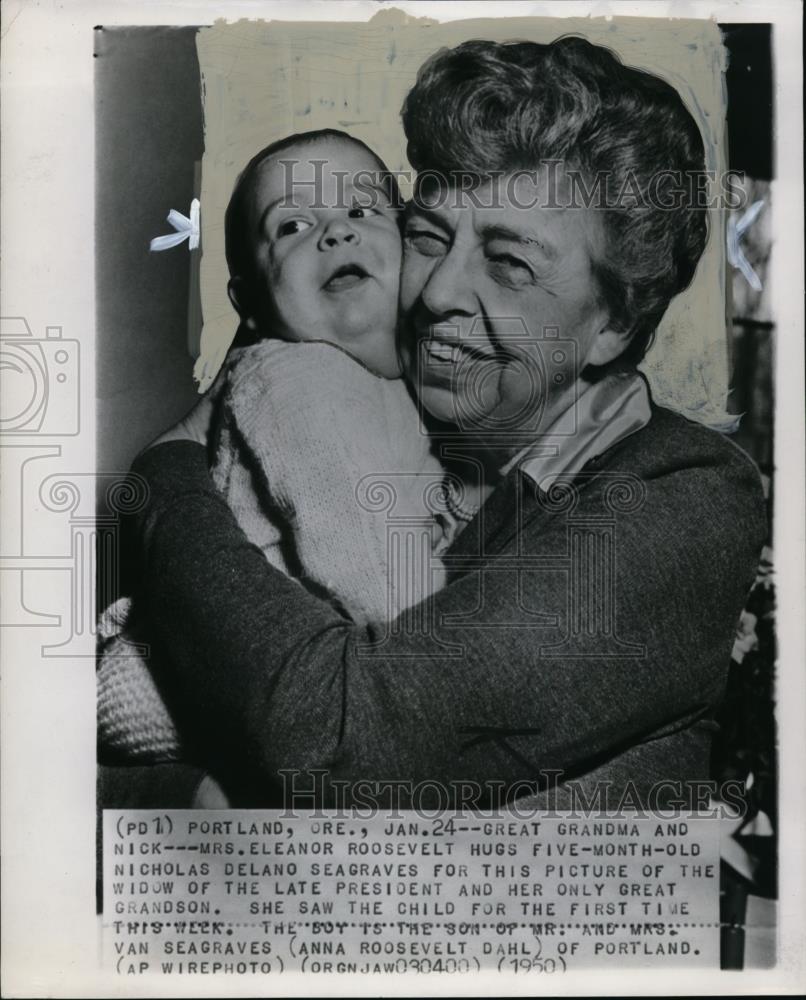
{"x":237,"y":290}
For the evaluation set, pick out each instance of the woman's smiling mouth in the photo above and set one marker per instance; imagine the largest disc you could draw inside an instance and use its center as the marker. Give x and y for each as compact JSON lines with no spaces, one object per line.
{"x":440,"y":352}
{"x":444,"y":352}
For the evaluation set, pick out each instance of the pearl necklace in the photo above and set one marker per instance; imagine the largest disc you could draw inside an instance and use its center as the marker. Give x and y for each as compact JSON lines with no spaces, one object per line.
{"x":461,"y":509}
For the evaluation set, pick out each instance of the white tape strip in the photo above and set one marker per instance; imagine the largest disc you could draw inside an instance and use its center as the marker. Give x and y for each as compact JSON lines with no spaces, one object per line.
{"x":735,"y":255}
{"x":186,"y":229}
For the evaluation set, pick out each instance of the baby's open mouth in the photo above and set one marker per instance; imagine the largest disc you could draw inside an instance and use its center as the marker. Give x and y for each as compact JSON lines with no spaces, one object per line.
{"x":345,"y":277}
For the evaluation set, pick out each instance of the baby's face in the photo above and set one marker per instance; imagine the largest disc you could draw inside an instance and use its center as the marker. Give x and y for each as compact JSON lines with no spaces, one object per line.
{"x":327,"y":255}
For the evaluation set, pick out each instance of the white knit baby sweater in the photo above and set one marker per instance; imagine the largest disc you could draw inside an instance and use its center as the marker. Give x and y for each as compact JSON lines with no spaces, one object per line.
{"x":329,"y":472}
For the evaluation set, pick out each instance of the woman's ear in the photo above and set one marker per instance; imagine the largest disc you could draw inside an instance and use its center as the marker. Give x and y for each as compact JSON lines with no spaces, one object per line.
{"x":238,"y":292}
{"x":608,"y":345}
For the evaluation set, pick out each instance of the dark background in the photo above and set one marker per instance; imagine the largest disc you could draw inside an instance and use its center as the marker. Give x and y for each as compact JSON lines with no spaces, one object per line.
{"x":148,"y":136}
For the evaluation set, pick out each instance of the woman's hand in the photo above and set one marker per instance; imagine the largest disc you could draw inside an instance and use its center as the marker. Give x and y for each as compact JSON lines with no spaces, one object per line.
{"x":197,"y":422}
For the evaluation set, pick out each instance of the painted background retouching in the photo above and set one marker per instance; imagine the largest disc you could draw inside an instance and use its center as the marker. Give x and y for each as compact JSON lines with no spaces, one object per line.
{"x":264,"y":80}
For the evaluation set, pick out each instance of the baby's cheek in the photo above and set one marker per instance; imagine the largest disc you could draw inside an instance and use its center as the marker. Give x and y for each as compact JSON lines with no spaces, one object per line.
{"x":414,"y":272}
{"x":390,"y":243}
{"x":379,"y":353}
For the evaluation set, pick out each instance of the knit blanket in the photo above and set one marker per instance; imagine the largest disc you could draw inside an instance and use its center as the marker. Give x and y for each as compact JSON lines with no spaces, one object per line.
{"x":133,"y":718}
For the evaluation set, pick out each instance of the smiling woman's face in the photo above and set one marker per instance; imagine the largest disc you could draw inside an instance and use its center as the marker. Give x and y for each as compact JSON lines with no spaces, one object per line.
{"x":500,"y":307}
{"x":326,"y":252}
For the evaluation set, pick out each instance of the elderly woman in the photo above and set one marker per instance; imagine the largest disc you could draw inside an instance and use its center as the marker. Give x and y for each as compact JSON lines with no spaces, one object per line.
{"x":583,"y":638}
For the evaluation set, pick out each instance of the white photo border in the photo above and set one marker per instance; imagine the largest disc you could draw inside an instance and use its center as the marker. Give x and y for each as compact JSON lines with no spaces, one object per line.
{"x":51,"y":934}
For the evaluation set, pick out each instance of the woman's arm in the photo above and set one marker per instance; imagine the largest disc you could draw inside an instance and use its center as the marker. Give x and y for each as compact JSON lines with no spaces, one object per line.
{"x":285,"y":681}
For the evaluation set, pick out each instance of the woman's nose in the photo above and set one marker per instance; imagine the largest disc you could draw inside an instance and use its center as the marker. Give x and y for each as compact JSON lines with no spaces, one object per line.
{"x":449,"y":289}
{"x":338,"y":232}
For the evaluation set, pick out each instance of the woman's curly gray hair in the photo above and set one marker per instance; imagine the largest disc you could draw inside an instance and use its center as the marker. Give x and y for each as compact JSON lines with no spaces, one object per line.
{"x":488,"y":107}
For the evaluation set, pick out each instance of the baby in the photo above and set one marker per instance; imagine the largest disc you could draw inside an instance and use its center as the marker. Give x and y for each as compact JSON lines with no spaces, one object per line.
{"x":317,"y":440}
{"x":317,"y":424}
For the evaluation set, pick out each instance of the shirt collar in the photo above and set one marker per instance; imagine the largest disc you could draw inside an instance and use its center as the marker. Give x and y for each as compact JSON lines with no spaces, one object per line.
{"x":604,"y":413}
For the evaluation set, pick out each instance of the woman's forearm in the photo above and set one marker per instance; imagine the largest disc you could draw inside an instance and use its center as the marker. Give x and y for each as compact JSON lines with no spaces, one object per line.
{"x":259,"y":656}
{"x":218,"y":608}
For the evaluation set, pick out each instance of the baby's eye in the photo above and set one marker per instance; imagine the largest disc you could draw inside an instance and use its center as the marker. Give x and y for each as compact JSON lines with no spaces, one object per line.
{"x":359,"y":212}
{"x":293,"y":226}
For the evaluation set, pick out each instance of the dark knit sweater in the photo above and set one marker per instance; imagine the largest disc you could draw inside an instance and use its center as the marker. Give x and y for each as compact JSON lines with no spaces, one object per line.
{"x":586,"y":631}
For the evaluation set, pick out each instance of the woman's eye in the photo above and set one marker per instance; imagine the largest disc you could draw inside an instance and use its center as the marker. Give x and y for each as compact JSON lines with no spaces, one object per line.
{"x":362,"y":212}
{"x":426,"y":242}
{"x":510,"y":270}
{"x":293,"y":226}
